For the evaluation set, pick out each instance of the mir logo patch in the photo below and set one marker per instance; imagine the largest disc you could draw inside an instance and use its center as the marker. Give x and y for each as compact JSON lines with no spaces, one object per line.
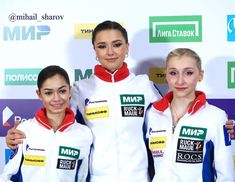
{"x":69,"y":152}
{"x":193,"y":132}
{"x":132,"y":105}
{"x":128,"y":99}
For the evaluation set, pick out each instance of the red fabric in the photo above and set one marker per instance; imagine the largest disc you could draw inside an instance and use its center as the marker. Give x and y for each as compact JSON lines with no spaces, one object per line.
{"x":119,"y":75}
{"x":68,"y":119}
{"x":163,"y":104}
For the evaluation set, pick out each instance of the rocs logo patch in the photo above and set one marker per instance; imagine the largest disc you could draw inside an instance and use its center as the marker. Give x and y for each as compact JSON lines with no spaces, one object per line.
{"x":69,"y":152}
{"x":132,"y":105}
{"x":189,"y":151}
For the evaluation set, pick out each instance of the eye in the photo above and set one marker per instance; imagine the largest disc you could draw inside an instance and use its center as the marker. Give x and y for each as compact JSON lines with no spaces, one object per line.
{"x":62,"y":91}
{"x":117,"y":44}
{"x":189,"y":73}
{"x":48,"y":93}
{"x":172,"y":73}
{"x":101,"y":46}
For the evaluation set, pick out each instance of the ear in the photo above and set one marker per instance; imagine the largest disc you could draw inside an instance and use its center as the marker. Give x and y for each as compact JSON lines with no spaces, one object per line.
{"x":201,"y":75}
{"x":127,"y":48}
{"x":39,"y":94}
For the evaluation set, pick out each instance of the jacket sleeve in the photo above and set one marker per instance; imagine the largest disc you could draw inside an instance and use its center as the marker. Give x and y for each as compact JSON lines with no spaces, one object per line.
{"x":13,"y":165}
{"x":223,"y":156}
{"x":74,"y":101}
{"x":83,"y":170}
{"x":154,"y":92}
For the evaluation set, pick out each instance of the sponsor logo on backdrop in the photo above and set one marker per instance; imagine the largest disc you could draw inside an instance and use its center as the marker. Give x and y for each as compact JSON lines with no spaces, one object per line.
{"x":22,"y":33}
{"x":12,"y":110}
{"x":84,"y":30}
{"x":175,"y":29}
{"x":21,"y":76}
{"x":231,"y":74}
{"x":79,"y":75}
{"x":231,"y":27}
{"x":157,"y":75}
{"x":13,"y":17}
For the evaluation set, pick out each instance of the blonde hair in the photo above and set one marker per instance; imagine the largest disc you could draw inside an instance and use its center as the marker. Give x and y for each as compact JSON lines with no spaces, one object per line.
{"x":179,"y":52}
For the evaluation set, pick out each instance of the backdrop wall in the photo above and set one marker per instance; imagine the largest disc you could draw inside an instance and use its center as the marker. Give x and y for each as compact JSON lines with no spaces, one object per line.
{"x":34,"y":34}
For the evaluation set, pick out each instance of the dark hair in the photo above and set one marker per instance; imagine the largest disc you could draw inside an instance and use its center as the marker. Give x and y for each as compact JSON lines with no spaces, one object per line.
{"x":49,"y":72}
{"x":109,"y":25}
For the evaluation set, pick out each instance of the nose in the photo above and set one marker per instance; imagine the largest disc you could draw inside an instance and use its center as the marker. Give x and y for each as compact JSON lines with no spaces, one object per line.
{"x":180,"y":79}
{"x":110,"y":50}
{"x":56,"y":96}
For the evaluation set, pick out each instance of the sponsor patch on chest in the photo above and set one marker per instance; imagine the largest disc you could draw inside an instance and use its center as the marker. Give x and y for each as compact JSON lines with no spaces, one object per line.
{"x":34,"y":160}
{"x":66,"y":164}
{"x":132,"y":105}
{"x":189,"y":151}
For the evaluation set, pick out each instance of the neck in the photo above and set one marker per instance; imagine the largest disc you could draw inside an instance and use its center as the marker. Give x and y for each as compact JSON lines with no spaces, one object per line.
{"x":179,"y":107}
{"x":55,"y":120}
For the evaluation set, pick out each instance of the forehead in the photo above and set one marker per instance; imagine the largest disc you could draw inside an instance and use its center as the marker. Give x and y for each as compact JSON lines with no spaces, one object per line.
{"x":54,"y":81}
{"x":182,"y":61}
{"x":108,"y":35}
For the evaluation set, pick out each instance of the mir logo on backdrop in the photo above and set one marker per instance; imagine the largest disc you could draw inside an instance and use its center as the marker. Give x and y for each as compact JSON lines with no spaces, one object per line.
{"x":175,"y":29}
{"x":231,"y":74}
{"x":12,"y":110}
{"x":231,"y":27}
{"x":19,"y":33}
{"x":79,"y":75}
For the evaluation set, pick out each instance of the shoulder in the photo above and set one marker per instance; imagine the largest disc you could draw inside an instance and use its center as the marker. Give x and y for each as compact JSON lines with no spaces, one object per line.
{"x":84,"y":82}
{"x":82,"y":129}
{"x":214,"y":109}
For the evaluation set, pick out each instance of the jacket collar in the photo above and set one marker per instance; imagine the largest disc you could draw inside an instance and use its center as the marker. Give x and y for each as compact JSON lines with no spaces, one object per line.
{"x":164,"y":103}
{"x":68,"y":119}
{"x":118,"y":75}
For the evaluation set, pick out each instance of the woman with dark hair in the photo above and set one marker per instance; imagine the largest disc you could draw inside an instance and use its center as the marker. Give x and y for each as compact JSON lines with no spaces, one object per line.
{"x":56,"y":147}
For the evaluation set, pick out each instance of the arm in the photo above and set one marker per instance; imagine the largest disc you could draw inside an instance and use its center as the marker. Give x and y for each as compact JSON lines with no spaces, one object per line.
{"x":74,"y":98}
{"x":223,"y":152}
{"x":14,"y":137}
{"x":13,"y":165}
{"x":83,"y":171}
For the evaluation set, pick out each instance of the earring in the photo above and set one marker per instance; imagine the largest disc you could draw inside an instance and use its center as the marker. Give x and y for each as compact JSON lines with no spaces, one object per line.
{"x":126,"y":55}
{"x":96,"y":58}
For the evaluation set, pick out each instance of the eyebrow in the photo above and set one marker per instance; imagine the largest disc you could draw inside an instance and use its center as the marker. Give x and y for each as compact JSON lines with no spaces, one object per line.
{"x":115,"y":41}
{"x":49,"y":89}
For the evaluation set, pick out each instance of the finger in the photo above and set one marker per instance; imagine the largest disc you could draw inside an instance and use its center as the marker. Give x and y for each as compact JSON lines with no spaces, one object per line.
{"x":17,"y":122}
